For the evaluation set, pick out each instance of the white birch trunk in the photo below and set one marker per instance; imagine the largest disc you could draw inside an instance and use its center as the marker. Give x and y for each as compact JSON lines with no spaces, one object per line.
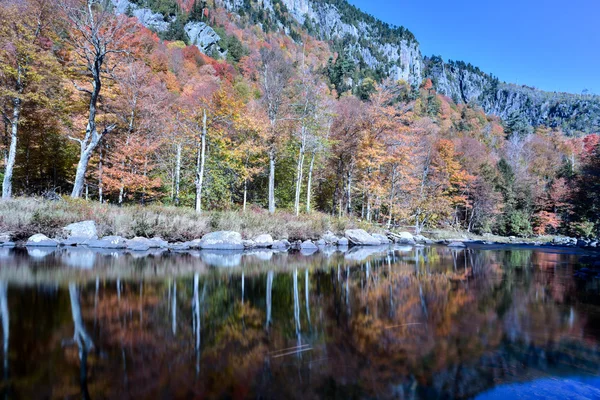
{"x":309,"y":182}
{"x":200,"y":165}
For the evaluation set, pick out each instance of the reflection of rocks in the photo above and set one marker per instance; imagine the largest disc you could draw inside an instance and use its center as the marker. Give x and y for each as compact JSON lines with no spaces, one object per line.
{"x":179,"y":246}
{"x":79,"y":258}
{"x":262,"y":255}
{"x":360,"y":237}
{"x":362,"y":253}
{"x":39,"y":252}
{"x":40,"y":240}
{"x":308,"y":251}
{"x":220,"y":258}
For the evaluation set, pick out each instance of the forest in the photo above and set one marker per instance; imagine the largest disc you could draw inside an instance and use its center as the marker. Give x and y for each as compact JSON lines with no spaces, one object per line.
{"x":96,"y":106}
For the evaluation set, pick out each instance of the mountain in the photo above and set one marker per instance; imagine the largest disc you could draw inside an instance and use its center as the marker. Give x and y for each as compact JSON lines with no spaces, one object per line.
{"x":382,"y":50}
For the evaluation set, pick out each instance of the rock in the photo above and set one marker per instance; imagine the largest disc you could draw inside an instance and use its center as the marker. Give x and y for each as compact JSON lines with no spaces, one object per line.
{"x":321,"y":243}
{"x":249,"y":244}
{"x":194,"y":244}
{"x":263,"y":241}
{"x":360,"y":237}
{"x":280,"y":244}
{"x":139,"y":244}
{"x":203,"y":37}
{"x":330,"y":238}
{"x":82,"y":230}
{"x":5,"y":237}
{"x":403,"y":238}
{"x":179,"y":246}
{"x":343,"y":242}
{"x":158,"y":243}
{"x":75,"y":241}
{"x":108,"y":242}
{"x":222,"y":240}
{"x":382,"y":238}
{"x":582,"y":243}
{"x":308,"y":245}
{"x":39,"y":240}
{"x":457,"y":244}
{"x":594,"y":243}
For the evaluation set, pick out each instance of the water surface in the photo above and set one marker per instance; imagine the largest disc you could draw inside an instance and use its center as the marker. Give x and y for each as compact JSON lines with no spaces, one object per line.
{"x":399,"y":322}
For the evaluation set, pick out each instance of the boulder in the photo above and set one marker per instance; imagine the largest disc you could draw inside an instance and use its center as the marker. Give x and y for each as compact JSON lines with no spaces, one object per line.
{"x":158,"y":243}
{"x":249,"y":244}
{"x":330,"y":238}
{"x":308,"y":245}
{"x":457,"y":244}
{"x":263,"y":241}
{"x":343,"y":242}
{"x":360,"y":237}
{"x":321,"y":243}
{"x":139,"y":244}
{"x":222,"y":240}
{"x":194,"y":244}
{"x":39,"y":240}
{"x":83,"y":230}
{"x":403,"y":238}
{"x":594,"y":243}
{"x":179,"y":246}
{"x":281,"y":244}
{"x":382,"y":238}
{"x":108,"y":242}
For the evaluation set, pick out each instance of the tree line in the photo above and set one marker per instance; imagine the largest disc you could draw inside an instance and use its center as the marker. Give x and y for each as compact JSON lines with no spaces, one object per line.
{"x":95,"y":105}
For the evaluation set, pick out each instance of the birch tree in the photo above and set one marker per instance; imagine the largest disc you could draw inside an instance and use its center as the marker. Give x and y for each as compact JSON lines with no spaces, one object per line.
{"x":97,"y":40}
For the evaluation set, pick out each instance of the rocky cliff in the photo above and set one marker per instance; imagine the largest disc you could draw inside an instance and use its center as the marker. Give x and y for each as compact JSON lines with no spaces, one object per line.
{"x":465,"y":83}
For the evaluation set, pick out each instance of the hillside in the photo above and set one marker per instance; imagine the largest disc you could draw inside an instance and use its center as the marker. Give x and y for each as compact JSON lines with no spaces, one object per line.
{"x":381,"y":50}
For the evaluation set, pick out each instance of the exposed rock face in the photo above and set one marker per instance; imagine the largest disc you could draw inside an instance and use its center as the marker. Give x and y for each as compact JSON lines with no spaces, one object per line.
{"x":39,"y":240}
{"x":360,"y":237}
{"x":203,"y":37}
{"x":222,"y":240}
{"x":396,"y":52}
{"x":147,"y":17}
{"x":467,"y":84}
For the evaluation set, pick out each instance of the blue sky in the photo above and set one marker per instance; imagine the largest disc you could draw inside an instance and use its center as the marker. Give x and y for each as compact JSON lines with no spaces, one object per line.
{"x":550,"y":44}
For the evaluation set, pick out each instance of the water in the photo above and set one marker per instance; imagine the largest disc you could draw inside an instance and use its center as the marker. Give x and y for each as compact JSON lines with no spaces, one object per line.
{"x":402,"y":322}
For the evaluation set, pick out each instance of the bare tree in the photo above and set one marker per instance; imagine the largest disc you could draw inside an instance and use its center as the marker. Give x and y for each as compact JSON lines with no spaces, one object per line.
{"x":98,"y":37}
{"x":275,"y":72}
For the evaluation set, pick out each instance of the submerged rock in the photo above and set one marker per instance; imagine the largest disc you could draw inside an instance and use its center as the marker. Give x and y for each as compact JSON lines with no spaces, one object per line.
{"x":222,"y":240}
{"x":308,"y":245}
{"x":360,"y":237}
{"x":40,"y":240}
{"x":108,"y":242}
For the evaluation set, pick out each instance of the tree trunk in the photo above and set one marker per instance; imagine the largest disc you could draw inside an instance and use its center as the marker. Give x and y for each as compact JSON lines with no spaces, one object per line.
{"x":245,"y":193}
{"x":309,"y":183}
{"x":177,"y":173}
{"x":272,"y":181}
{"x":12,"y":152}
{"x":299,"y":173}
{"x":391,"y":204}
{"x":349,"y":193}
{"x":200,"y":165}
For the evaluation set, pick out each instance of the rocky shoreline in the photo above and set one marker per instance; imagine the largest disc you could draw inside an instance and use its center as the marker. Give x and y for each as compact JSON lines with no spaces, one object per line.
{"x":85,"y":234}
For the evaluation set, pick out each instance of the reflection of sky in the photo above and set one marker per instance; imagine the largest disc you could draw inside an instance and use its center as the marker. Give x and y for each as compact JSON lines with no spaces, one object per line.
{"x":547,"y":388}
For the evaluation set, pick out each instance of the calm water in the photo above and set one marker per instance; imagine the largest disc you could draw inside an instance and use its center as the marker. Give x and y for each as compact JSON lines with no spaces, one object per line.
{"x":408,"y":323}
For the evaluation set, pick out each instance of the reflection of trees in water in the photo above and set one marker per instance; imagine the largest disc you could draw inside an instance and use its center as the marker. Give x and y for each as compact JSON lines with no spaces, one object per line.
{"x":428,"y":322}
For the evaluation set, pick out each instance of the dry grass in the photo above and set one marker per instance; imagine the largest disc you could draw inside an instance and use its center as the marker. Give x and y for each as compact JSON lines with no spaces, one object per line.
{"x":27,"y":216}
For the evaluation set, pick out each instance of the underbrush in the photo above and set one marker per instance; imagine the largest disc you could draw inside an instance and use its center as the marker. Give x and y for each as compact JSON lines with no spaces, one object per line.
{"x":27,"y":216}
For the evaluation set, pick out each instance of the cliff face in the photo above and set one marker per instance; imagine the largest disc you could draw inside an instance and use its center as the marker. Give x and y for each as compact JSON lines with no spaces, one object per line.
{"x":393,"y":50}
{"x":464,"y":83}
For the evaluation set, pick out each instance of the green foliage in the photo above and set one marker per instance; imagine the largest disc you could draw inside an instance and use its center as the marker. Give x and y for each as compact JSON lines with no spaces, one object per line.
{"x":339,"y":71}
{"x":235,"y":49}
{"x":196,"y":13}
{"x":168,"y":8}
{"x":366,"y":88}
{"x":176,"y":31}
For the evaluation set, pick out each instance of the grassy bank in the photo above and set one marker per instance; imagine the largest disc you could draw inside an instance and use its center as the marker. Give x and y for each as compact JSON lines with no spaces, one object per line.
{"x":27,"y":216}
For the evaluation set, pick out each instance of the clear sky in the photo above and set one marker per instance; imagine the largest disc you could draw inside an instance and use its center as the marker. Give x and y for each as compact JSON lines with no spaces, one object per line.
{"x":549,"y":44}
